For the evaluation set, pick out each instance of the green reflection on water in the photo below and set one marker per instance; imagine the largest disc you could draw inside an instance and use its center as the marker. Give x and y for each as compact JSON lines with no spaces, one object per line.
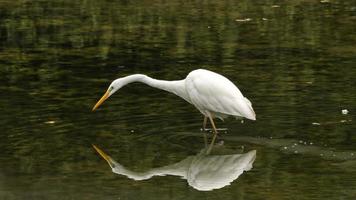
{"x":294,"y":60}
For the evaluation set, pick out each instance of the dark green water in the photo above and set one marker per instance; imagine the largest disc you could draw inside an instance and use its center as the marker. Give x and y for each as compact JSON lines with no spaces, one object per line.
{"x":295,"y":60}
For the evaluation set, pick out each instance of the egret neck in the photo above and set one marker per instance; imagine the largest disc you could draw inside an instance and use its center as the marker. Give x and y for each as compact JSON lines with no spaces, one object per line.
{"x":175,"y":87}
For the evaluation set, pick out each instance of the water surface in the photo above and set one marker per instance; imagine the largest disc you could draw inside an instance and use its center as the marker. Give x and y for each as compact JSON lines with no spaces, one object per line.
{"x":295,"y":60}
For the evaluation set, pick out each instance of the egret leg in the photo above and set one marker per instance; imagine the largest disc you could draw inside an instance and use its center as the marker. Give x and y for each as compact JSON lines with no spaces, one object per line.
{"x":214,"y":137}
{"x":204,"y":128}
{"x":204,"y":122}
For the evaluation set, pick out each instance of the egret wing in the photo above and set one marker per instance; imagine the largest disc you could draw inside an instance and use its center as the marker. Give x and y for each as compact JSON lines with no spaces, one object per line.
{"x":209,"y":91}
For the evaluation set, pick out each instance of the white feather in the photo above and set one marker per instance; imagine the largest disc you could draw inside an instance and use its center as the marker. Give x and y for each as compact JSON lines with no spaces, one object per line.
{"x":214,"y":94}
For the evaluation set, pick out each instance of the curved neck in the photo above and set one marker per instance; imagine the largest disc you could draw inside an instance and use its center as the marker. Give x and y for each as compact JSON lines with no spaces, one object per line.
{"x":119,"y":169}
{"x":178,"y":169}
{"x":175,"y":87}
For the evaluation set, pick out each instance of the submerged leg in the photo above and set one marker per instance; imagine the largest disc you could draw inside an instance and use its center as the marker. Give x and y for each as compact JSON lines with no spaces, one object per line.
{"x":204,"y":127}
{"x":205,"y":139}
{"x":214,"y":137}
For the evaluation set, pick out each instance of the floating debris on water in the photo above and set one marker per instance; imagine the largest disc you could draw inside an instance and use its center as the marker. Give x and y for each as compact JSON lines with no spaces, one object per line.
{"x":331,"y":122}
{"x":295,"y":152}
{"x":344,"y":111}
{"x":50,"y":122}
{"x":285,"y":147}
{"x":264,"y":19}
{"x":275,"y":6}
{"x":132,"y":131}
{"x":243,"y":20}
{"x":305,"y":142}
{"x":324,"y":1}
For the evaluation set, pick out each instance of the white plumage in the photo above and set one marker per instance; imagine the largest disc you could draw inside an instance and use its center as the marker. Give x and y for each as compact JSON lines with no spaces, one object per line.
{"x":213,"y":94}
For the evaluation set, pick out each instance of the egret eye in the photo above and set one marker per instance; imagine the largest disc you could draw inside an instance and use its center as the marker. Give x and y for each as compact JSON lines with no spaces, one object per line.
{"x":111,"y":88}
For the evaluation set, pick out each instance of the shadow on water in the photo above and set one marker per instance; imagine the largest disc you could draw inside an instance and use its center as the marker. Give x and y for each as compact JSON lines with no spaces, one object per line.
{"x":202,"y":172}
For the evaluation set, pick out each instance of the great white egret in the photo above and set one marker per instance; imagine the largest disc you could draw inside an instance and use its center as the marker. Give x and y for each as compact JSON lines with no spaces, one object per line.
{"x":212,"y":94}
{"x":202,"y":172}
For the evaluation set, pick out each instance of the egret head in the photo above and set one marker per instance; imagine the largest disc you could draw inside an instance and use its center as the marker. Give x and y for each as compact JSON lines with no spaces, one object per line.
{"x":114,"y":86}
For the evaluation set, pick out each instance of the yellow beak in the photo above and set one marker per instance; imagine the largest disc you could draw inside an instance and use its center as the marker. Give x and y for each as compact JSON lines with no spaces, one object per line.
{"x":105,"y":156}
{"x":102,"y":99}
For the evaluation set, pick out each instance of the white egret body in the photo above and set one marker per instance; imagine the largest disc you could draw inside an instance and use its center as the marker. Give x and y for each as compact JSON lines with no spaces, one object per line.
{"x":211,"y":93}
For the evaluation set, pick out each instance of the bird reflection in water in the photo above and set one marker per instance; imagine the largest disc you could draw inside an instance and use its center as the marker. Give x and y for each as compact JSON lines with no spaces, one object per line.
{"x":203,"y":172}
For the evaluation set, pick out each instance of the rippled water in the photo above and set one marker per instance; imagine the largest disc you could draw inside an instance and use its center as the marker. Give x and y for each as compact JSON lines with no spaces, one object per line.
{"x":295,"y":60}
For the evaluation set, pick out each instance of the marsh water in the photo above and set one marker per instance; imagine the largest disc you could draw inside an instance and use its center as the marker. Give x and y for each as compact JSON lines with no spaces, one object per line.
{"x":295,"y":60}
